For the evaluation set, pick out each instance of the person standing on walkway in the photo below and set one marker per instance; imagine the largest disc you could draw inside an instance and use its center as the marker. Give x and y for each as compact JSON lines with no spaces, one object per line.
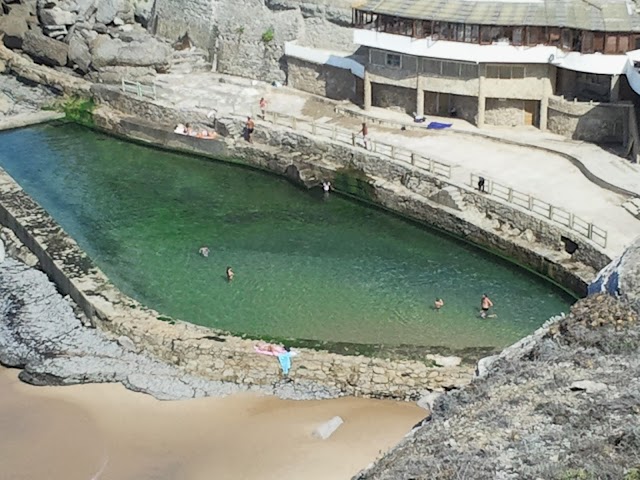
{"x":485,"y":305}
{"x":481,"y":184}
{"x":263,"y":107}
{"x":250,"y":125}
{"x":365,"y":134}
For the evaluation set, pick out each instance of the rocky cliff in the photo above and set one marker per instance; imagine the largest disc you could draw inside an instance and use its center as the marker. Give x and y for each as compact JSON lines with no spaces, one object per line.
{"x":247,"y":37}
{"x":107,"y":40}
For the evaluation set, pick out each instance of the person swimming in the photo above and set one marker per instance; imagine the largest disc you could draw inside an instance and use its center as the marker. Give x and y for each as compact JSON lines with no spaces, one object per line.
{"x":326,"y":187}
{"x":230,"y":274}
{"x":438,"y":304}
{"x":485,"y":305}
{"x":204,"y":251}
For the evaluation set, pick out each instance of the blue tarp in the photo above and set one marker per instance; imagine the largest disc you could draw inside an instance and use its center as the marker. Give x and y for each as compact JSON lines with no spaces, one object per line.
{"x":438,"y":125}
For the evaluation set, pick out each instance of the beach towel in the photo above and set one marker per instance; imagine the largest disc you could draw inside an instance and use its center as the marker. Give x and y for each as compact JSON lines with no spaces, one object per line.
{"x":438,"y":125}
{"x":285,"y":362}
{"x":262,"y":349}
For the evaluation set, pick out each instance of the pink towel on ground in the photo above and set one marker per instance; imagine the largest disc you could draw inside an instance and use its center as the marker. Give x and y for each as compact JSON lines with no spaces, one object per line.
{"x":261,"y":349}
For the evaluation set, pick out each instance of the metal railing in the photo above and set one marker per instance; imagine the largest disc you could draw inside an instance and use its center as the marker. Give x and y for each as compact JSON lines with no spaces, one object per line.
{"x":544,"y":209}
{"x":139,"y":89}
{"x":345,"y":136}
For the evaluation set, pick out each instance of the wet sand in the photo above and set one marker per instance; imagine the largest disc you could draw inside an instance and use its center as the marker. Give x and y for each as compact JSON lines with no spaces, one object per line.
{"x":105,"y":432}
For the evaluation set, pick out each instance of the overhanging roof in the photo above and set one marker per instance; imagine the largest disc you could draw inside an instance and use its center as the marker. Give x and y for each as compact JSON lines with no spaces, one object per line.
{"x":593,"y":15}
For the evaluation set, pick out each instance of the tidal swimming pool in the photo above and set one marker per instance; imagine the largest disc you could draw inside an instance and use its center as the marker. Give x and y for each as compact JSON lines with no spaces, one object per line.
{"x":307,"y":267}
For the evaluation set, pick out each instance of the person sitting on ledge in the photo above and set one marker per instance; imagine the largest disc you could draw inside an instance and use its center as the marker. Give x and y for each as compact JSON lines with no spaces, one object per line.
{"x":181,"y":129}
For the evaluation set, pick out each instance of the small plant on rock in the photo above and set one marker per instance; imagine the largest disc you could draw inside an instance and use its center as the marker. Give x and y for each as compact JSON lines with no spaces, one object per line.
{"x":268,"y":35}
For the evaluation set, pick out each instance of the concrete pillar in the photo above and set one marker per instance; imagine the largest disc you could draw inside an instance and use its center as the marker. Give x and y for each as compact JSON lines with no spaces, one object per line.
{"x":615,"y":88}
{"x":481,"y":96}
{"x":419,"y":101}
{"x":367,"y":91}
{"x":544,"y":110}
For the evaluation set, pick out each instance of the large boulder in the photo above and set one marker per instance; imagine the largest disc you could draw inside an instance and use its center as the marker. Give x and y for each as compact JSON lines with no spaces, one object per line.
{"x":56,"y":16}
{"x":621,"y":278}
{"x":14,"y":29}
{"x":79,"y":54}
{"x":115,"y":75}
{"x":107,"y":51}
{"x":107,"y":10}
{"x":143,"y":10}
{"x":45,"y":50}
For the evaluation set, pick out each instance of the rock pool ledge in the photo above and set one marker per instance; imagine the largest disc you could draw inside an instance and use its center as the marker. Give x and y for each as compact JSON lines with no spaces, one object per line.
{"x":198,"y":350}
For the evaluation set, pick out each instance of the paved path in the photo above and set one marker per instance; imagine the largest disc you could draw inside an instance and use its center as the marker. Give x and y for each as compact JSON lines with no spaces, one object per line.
{"x":550,"y":177}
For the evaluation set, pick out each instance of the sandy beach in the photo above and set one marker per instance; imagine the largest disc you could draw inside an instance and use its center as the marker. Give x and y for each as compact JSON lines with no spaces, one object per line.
{"x":103,"y":432}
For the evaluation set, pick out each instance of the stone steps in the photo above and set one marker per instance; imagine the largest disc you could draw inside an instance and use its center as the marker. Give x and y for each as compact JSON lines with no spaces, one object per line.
{"x":633,"y":207}
{"x":193,"y":60}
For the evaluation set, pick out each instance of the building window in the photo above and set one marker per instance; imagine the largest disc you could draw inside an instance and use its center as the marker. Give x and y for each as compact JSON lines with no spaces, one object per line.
{"x":587,"y":42}
{"x":598,"y":42}
{"x":450,"y":69}
{"x":623,"y":43}
{"x":433,"y":67}
{"x":392,"y":60}
{"x":517,"y":36}
{"x":611,"y":44}
{"x":505,"y":72}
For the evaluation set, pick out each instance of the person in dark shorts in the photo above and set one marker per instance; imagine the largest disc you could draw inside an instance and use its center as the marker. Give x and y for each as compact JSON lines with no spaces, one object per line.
{"x":485,"y":305}
{"x":250,"y":125}
{"x":481,"y":184}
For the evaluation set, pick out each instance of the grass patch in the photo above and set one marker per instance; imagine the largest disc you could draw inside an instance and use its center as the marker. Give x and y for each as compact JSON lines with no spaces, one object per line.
{"x":77,"y":109}
{"x":268,"y":35}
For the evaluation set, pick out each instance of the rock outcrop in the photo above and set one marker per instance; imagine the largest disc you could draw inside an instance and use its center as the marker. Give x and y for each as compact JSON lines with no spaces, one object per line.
{"x":621,"y":277}
{"x":99,"y":38}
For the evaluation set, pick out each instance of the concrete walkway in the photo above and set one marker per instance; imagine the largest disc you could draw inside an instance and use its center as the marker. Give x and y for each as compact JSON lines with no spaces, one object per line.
{"x":548,"y":176}
{"x":27,"y":119}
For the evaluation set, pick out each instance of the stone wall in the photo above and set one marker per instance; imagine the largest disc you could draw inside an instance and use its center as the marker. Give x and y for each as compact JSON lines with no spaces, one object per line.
{"x":396,"y":98}
{"x":323,"y":80}
{"x":235,"y":32}
{"x":504,"y":112}
{"x":591,"y":122}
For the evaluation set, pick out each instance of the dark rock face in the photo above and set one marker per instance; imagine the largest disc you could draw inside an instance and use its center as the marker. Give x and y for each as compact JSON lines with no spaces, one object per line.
{"x":621,"y":277}
{"x":45,"y":50}
{"x":562,"y":406}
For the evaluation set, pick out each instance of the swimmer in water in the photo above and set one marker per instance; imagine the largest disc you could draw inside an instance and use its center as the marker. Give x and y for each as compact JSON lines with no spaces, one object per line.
{"x":204,"y":251}
{"x":485,"y":305}
{"x":438,"y":304}
{"x":230,"y":274}
{"x":326,"y":187}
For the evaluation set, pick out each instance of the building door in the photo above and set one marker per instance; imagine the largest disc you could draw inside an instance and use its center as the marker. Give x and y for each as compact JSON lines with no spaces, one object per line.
{"x":531,"y":108}
{"x":443,"y":104}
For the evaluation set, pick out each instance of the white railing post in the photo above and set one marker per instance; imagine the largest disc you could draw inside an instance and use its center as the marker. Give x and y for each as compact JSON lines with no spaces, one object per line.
{"x":590,"y":231}
{"x":431,"y":165}
{"x":550,"y":212}
{"x":413,"y":158}
{"x":294,"y":123}
{"x":530,"y":203}
{"x":393,"y":152}
{"x":353,"y":139}
{"x":571,"y":220}
{"x":510,"y":195}
{"x":139,"y":89}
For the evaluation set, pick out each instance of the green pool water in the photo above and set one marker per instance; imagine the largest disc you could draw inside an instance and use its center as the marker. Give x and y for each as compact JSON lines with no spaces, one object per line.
{"x":306,"y":266}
